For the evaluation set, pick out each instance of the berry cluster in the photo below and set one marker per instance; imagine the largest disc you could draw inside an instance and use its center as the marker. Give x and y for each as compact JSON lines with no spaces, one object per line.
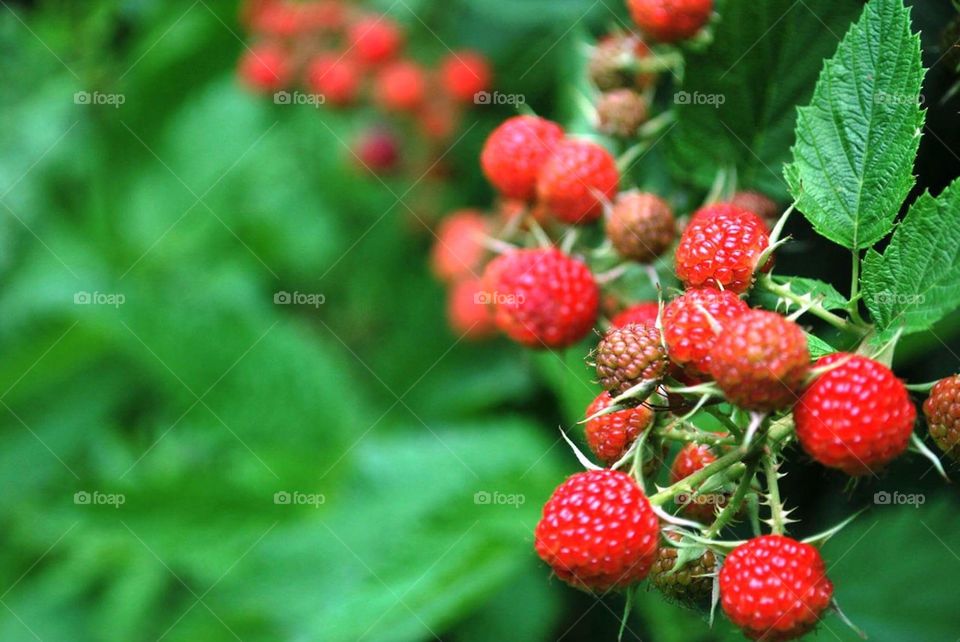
{"x":331,"y":52}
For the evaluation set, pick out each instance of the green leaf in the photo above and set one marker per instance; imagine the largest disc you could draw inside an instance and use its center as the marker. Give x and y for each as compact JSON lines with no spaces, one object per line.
{"x":916,"y":281}
{"x":743,"y":88}
{"x":818,"y":347}
{"x":858,"y":138}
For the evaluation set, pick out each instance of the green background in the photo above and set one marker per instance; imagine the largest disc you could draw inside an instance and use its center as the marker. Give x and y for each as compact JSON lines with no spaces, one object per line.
{"x":198,"y":398}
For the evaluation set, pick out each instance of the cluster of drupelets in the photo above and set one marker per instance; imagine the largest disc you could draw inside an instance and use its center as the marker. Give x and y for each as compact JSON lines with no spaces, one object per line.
{"x":733,"y":387}
{"x":333,"y":53}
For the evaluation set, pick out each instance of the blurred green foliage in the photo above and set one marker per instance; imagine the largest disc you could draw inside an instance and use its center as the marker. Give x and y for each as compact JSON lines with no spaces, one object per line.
{"x":199,"y":398}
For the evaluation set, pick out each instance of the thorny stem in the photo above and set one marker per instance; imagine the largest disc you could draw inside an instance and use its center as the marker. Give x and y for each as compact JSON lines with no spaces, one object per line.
{"x":854,"y":307}
{"x":773,"y":490}
{"x":733,"y":506}
{"x":815,"y":309}
{"x":699,"y":436}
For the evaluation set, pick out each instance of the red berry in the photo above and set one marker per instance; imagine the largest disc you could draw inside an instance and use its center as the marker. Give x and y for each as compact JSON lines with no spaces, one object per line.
{"x":856,"y":417}
{"x":641,"y":313}
{"x":774,"y":588}
{"x":265,"y":68}
{"x":575,"y":180}
{"x":598,"y":531}
{"x":641,"y":226}
{"x":515,"y":152}
{"x":375,"y":39}
{"x":611,"y":62}
{"x":760,"y":361}
{"x":468,"y":311}
{"x":377,"y":150}
{"x":335,"y":77}
{"x":759,"y":204}
{"x":942,"y":410}
{"x":610,"y":436}
{"x":628,"y":356}
{"x":670,"y":20}
{"x":620,"y":112}
{"x":690,"y":459}
{"x":458,"y":250}
{"x":464,"y":74}
{"x":401,"y":86}
{"x":542,"y":297}
{"x":721,"y":247}
{"x":690,"y":334}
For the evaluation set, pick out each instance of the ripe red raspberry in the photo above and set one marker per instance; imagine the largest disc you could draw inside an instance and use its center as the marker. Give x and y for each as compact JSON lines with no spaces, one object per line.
{"x":641,"y":313}
{"x":628,"y":356}
{"x":641,"y":226}
{"x":458,"y":250}
{"x":335,"y":77}
{"x":690,"y":459}
{"x":377,"y":150}
{"x":620,"y":112}
{"x":375,"y":39}
{"x":515,"y":151}
{"x":689,"y":333}
{"x":759,"y":204}
{"x":760,"y":361}
{"x":942,"y":410}
{"x":856,"y":417}
{"x":720,"y":248}
{"x":265,"y":68}
{"x":464,"y":74}
{"x":575,"y":180}
{"x":401,"y":86}
{"x":774,"y":588}
{"x":611,"y":61}
{"x":542,"y":297}
{"x":598,"y":531}
{"x":468,"y":311}
{"x":610,"y":436}
{"x":690,"y":586}
{"x":670,"y":20}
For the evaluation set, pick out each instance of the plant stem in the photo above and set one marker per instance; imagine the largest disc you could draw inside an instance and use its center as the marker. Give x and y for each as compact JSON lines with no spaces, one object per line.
{"x":816,"y":309}
{"x":773,"y":490}
{"x":733,"y":506}
{"x":854,"y":307}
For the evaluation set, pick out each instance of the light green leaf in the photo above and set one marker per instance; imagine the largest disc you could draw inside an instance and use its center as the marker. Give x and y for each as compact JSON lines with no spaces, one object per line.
{"x":736,"y":105}
{"x":818,"y":347}
{"x":858,"y":138}
{"x":916,"y":281}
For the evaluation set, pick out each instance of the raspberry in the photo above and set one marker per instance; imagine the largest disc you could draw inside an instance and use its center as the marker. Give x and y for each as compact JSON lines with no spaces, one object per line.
{"x":598,"y":531}
{"x":689,"y":333}
{"x":377,"y":150}
{"x":458,"y":250}
{"x":515,"y":151}
{"x":942,"y":410}
{"x":611,"y":59}
{"x":720,"y":248}
{"x":335,"y":77}
{"x":856,"y":417}
{"x":265,"y":68}
{"x":692,"y":585}
{"x":620,"y":112}
{"x":628,"y":356}
{"x":375,"y":39}
{"x":401,"y":86}
{"x":759,"y":204}
{"x":542,"y":297}
{"x":670,"y":20}
{"x":610,"y":436}
{"x":464,"y":74}
{"x":468,"y":311}
{"x":774,"y":588}
{"x":642,"y":313}
{"x":690,"y":459}
{"x":760,"y":361}
{"x":641,"y":226}
{"x":575,"y":179}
